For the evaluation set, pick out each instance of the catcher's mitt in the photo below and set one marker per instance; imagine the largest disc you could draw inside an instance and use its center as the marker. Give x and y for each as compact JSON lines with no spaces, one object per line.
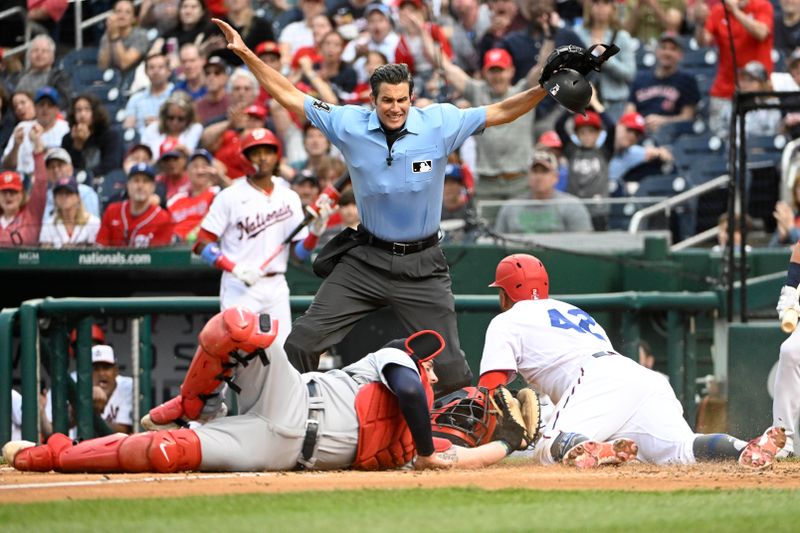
{"x":513,"y":426}
{"x":576,"y":58}
{"x":531,"y":409}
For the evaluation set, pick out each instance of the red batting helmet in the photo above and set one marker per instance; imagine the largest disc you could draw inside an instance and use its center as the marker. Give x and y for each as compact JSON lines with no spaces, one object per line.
{"x":260,"y":137}
{"x":523,"y":277}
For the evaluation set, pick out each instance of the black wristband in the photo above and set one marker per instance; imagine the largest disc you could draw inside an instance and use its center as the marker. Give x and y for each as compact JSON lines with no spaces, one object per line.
{"x":506,"y":445}
{"x":793,"y":274}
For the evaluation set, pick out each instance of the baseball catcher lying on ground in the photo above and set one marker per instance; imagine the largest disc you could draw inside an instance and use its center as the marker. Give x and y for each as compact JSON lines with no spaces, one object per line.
{"x":371,"y":415}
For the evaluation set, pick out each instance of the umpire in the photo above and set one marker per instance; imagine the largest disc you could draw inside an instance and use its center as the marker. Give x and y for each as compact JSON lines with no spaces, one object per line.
{"x":396,"y":156}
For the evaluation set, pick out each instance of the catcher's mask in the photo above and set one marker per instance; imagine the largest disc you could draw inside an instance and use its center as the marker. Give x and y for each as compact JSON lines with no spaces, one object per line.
{"x":464,"y":417}
{"x":570,"y":89}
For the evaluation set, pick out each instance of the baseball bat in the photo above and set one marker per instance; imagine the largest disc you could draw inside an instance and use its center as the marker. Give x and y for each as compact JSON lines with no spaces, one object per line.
{"x":789,"y":321}
{"x":338,"y":185}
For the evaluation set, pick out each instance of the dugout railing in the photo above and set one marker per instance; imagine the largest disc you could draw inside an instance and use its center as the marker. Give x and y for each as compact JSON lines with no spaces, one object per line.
{"x":54,"y":314}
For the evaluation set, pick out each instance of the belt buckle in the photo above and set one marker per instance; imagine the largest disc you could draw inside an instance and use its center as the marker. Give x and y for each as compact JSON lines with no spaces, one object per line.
{"x":399,"y":248}
{"x":312,"y":425}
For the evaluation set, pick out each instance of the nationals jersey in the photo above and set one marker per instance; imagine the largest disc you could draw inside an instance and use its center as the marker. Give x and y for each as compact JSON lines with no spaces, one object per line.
{"x":153,"y":227}
{"x":187,"y":211}
{"x":118,"y":409}
{"x":252,"y":223}
{"x":546,"y":341}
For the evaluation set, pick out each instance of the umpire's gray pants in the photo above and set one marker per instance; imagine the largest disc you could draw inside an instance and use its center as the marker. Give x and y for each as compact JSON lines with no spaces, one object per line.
{"x":416,"y":286}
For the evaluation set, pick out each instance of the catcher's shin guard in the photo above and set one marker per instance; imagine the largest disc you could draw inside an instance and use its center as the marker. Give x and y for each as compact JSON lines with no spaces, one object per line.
{"x":222,"y":342}
{"x":41,"y":458}
{"x":157,"y":451}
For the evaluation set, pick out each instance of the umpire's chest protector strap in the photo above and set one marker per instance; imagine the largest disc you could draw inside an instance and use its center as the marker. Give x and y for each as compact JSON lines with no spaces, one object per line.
{"x":384,"y":440}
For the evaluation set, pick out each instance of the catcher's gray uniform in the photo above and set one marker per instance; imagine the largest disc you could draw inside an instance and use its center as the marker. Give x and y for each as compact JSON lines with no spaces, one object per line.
{"x":276,"y":405}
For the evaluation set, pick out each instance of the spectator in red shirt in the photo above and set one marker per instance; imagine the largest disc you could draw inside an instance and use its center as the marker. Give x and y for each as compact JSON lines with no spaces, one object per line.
{"x":188,"y":208}
{"x":752,"y":30}
{"x":136,"y":222}
{"x":20,"y":214}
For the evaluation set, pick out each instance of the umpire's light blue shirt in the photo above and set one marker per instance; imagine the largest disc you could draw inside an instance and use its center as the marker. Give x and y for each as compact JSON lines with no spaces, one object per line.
{"x":400,"y":202}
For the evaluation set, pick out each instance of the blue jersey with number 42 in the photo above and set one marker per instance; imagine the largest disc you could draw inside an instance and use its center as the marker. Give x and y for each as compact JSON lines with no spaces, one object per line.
{"x":547,"y":341}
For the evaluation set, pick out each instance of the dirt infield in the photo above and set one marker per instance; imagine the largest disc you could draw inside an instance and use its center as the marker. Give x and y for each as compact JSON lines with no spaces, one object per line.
{"x":22,"y":487}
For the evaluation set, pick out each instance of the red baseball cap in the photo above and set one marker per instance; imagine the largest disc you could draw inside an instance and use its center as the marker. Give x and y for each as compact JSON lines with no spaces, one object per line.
{"x":590,"y":119}
{"x":497,"y":57}
{"x":417,"y":3}
{"x":10,"y":181}
{"x":633,"y":121}
{"x":550,"y":139}
{"x":256,"y":111}
{"x":268,"y":47}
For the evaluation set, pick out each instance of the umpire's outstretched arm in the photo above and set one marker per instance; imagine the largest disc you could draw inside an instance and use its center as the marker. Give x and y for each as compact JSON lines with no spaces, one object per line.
{"x":512,"y":108}
{"x":273,"y":81}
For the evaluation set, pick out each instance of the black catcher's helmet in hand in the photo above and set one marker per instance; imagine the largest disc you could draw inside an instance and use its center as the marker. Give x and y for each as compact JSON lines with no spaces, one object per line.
{"x":570,"y":89}
{"x":563,"y":76}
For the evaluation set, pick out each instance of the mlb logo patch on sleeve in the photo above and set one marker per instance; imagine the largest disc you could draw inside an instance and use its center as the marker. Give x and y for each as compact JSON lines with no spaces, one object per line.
{"x":419,"y":167}
{"x":322,"y":106}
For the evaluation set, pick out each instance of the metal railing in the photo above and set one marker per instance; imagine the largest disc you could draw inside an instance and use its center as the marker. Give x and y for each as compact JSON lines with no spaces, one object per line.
{"x":26,"y":43}
{"x":665,"y":206}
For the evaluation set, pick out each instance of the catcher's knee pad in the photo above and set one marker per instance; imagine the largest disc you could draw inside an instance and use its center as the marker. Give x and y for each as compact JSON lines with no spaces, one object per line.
{"x":161,"y":451}
{"x":230,"y":338}
{"x":42,"y":458}
{"x":238,"y":328}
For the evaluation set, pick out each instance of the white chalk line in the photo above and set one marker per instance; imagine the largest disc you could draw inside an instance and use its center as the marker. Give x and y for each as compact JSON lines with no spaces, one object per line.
{"x":89,"y":483}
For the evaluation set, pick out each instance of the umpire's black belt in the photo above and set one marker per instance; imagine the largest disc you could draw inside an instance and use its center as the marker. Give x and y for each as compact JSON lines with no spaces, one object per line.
{"x":307,"y":458}
{"x":597,"y":355}
{"x":403,"y":248}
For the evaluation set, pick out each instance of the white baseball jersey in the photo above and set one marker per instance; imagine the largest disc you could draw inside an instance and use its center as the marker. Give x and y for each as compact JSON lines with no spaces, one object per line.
{"x":561,"y":351}
{"x":118,"y":410}
{"x":251,"y":223}
{"x":16,"y":415}
{"x":544,"y":340}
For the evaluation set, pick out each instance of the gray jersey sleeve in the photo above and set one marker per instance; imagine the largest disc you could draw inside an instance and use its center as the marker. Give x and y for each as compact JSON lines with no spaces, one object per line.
{"x":370,"y":368}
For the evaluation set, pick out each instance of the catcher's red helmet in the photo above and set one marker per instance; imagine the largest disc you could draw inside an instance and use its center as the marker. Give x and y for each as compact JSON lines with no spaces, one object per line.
{"x":464,"y":417}
{"x":523,"y":277}
{"x":260,"y":137}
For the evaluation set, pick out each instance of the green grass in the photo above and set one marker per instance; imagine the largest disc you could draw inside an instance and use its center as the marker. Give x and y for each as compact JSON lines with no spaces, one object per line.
{"x":409,"y":511}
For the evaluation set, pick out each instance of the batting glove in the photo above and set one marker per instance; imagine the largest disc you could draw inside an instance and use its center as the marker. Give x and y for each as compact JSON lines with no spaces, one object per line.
{"x":324,"y":208}
{"x":248,"y":276}
{"x":788,"y":300}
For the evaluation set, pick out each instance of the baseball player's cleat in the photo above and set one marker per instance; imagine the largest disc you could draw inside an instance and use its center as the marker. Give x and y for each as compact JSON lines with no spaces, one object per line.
{"x":592,"y":454}
{"x":760,"y":452}
{"x":13,"y":447}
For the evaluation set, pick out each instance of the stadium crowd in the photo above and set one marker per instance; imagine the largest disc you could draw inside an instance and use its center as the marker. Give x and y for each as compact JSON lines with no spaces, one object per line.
{"x":124,"y":143}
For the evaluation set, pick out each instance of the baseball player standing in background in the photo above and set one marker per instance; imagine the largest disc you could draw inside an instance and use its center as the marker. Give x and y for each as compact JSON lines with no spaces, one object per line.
{"x":371,"y":415}
{"x":396,"y":156}
{"x":608,"y":407}
{"x":248,"y":221}
{"x":786,"y":402}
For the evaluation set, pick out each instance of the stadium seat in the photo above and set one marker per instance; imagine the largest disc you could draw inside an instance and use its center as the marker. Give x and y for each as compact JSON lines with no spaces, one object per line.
{"x":688,"y":148}
{"x":85,"y":76}
{"x":668,"y":133}
{"x":700,"y":61}
{"x":706,"y":167}
{"x":681,"y":223}
{"x":83,"y":56}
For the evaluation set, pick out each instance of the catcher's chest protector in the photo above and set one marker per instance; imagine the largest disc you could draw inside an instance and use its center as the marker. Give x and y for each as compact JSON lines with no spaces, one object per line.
{"x":384,"y":440}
